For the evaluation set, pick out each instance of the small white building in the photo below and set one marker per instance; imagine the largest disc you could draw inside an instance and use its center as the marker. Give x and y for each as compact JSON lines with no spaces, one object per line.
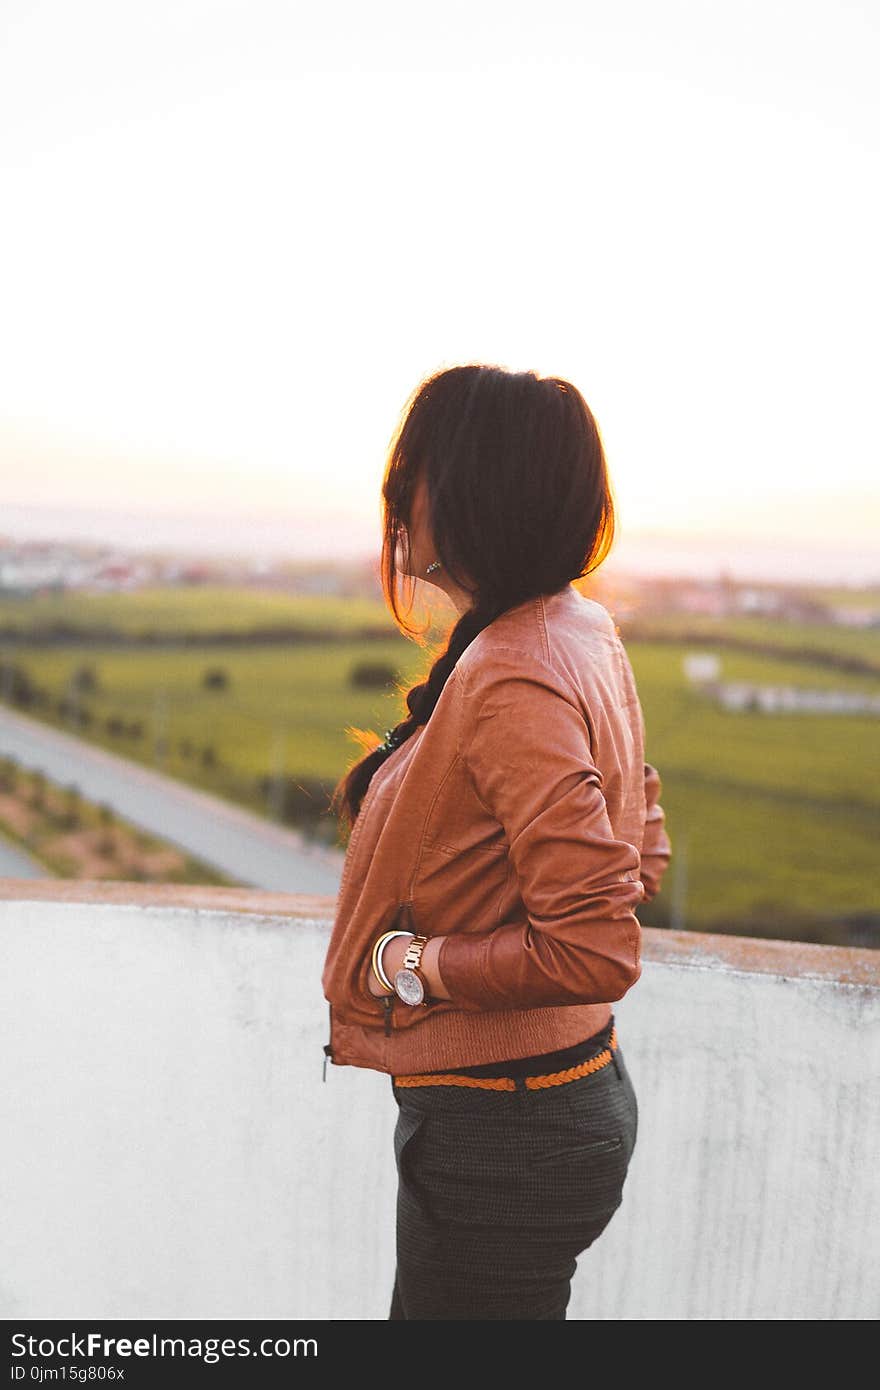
{"x":793,"y":699}
{"x":701,"y":666}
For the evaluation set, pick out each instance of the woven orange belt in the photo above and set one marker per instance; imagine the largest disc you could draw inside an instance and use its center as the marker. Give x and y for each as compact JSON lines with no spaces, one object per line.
{"x":507,"y":1083}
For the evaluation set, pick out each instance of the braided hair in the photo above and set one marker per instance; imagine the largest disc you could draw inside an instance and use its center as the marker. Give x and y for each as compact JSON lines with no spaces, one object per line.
{"x":520,"y":504}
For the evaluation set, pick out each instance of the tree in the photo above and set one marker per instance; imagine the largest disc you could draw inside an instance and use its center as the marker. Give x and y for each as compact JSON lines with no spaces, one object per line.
{"x":299,"y":799}
{"x":38,"y":789}
{"x":84,"y":680}
{"x":372,"y":675}
{"x":17,"y":685}
{"x":215,"y":678}
{"x":71,"y":816}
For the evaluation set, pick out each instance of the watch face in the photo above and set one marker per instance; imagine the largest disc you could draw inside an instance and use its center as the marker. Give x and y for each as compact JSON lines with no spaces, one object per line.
{"x":409,"y":987}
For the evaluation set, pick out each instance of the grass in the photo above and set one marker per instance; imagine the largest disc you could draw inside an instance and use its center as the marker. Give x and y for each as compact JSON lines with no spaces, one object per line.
{"x":303,"y":691}
{"x":828,"y":638}
{"x":777,"y":817}
{"x":200,"y":608}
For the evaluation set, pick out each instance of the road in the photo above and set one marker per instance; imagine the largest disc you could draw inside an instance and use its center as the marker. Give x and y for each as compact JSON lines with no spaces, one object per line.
{"x":15,"y":863}
{"x":253,"y":851}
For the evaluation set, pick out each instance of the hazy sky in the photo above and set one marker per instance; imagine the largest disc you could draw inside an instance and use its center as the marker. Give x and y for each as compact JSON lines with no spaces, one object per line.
{"x":236,"y":233}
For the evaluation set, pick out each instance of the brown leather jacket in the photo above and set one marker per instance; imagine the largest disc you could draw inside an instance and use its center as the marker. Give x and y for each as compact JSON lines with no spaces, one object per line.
{"x":523,"y":824}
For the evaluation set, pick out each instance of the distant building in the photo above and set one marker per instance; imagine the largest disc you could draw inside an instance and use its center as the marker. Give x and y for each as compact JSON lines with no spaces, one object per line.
{"x":701,"y":666}
{"x":791,"y":699}
{"x":329,"y":582}
{"x":707,"y":599}
{"x":751,"y":600}
{"x":856,"y":617}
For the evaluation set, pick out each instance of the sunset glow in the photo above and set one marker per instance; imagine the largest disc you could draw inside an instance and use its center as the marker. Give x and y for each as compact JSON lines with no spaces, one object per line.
{"x":239,"y":233}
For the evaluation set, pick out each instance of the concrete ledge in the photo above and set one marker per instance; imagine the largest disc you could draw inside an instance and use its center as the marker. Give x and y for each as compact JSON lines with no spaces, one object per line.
{"x":169,"y":1149}
{"x":187,"y":897}
{"x":685,"y":950}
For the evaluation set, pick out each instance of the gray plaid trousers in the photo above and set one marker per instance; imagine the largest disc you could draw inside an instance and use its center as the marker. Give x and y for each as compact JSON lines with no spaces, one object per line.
{"x":500,"y":1191}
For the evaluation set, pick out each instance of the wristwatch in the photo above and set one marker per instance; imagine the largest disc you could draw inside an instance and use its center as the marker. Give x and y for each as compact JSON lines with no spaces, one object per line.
{"x":409,"y":982}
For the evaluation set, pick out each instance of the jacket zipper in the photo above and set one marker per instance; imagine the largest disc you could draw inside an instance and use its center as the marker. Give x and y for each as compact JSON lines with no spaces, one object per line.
{"x":349,"y":860}
{"x":328,"y":1046}
{"x":388,"y":1005}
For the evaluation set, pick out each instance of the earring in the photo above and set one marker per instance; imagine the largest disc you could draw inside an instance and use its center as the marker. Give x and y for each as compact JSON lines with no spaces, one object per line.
{"x":434,"y":565}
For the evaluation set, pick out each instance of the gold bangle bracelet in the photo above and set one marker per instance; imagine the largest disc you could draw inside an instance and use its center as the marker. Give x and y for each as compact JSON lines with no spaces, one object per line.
{"x":376,"y":975}
{"x":377,"y":947}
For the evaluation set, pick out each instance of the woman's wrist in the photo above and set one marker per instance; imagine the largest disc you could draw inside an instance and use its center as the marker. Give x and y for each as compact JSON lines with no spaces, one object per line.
{"x":431,"y":970}
{"x":392,"y":961}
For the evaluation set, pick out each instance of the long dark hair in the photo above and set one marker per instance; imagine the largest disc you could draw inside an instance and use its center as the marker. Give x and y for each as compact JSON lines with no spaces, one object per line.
{"x":520,"y":504}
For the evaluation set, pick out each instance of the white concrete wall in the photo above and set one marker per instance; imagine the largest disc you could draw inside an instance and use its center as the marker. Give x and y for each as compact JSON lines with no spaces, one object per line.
{"x":169,"y":1149}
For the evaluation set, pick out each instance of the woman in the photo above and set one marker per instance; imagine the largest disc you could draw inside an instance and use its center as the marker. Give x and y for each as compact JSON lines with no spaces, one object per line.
{"x":504,"y":832}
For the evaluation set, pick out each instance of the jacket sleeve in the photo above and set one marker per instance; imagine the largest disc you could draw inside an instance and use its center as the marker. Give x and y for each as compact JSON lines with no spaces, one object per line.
{"x":526,"y":744}
{"x":656,"y":849}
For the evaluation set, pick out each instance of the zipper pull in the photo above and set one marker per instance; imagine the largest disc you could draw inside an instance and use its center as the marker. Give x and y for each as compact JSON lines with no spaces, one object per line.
{"x":387,"y":1005}
{"x":328,"y":1046}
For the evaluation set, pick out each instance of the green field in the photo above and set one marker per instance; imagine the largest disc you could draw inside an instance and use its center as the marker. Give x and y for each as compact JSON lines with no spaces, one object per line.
{"x":774,"y":819}
{"x":863,"y":644}
{"x":302,"y":691}
{"x":197,"y":609}
{"x":866,"y":597}
{"x":778,"y":815}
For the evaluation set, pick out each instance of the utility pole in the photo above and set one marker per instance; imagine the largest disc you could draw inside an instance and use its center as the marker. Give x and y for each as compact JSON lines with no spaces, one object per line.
{"x":72,"y":697}
{"x":678,"y":911}
{"x":160,"y":727}
{"x":276,"y":780}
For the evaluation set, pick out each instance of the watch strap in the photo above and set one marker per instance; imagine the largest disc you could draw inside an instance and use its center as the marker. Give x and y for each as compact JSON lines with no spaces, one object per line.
{"x":412,"y":959}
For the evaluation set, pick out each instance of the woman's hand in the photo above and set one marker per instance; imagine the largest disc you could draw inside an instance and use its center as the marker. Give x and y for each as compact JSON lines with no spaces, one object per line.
{"x":392,"y":961}
{"x":378,"y":991}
